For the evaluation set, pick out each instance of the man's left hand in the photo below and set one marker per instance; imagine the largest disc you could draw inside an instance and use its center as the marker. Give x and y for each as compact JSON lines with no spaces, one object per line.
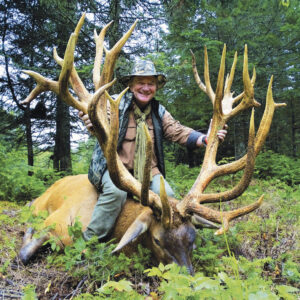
{"x":222,"y":133}
{"x":202,"y":141}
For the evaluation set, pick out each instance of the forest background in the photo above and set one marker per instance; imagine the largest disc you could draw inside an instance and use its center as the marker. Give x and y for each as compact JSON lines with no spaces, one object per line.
{"x":45,"y":140}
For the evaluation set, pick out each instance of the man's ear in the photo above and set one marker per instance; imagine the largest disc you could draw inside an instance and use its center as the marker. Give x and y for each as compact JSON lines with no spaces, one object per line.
{"x":130,"y":84}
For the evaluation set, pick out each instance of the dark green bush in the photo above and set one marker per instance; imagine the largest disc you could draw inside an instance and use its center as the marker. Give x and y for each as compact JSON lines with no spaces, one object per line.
{"x":270,"y":165}
{"x":15,"y":183}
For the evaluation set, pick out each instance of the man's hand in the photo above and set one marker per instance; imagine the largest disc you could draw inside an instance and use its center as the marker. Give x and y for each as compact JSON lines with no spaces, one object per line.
{"x":202,"y":141}
{"x":222,"y":133}
{"x":86,"y":120}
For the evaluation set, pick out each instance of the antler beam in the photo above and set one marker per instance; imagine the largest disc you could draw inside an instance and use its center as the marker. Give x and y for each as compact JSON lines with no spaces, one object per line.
{"x":223,"y":110}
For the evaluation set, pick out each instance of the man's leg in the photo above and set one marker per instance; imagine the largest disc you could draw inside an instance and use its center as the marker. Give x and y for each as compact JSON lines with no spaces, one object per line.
{"x":107,"y":209}
{"x":155,"y":186}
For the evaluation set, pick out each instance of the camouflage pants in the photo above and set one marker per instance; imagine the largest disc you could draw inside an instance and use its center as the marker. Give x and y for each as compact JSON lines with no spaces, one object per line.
{"x":109,"y":205}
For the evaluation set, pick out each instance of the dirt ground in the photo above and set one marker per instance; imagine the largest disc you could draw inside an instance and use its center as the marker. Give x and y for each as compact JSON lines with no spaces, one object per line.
{"x":50,"y":283}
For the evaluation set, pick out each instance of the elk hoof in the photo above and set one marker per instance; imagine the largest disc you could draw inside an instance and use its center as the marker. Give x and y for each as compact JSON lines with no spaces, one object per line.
{"x":25,"y":254}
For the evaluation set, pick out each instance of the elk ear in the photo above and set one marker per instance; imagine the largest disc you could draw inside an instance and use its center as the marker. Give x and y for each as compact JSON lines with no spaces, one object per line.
{"x":138,"y":227}
{"x":200,"y":222}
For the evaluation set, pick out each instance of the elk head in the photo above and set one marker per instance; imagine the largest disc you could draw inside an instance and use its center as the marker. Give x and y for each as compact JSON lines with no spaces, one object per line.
{"x":172,"y":237}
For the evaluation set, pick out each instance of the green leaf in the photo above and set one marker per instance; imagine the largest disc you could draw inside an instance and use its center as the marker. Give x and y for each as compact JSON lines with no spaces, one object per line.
{"x":285,"y":291}
{"x":121,"y":286}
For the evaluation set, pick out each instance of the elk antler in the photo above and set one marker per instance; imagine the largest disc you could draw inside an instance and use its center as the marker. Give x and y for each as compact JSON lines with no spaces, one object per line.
{"x":223,"y":111}
{"x":106,"y":131}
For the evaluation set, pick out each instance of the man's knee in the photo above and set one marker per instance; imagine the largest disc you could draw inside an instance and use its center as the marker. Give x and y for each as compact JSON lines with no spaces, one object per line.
{"x":114,"y":193}
{"x":155,"y":186}
{"x":110,"y":191}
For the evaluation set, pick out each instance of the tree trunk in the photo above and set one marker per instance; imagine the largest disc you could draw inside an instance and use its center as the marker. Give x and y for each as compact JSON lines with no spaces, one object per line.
{"x":293,"y":125}
{"x":114,"y":14}
{"x":62,"y":149}
{"x":29,"y":143}
{"x":240,"y":137}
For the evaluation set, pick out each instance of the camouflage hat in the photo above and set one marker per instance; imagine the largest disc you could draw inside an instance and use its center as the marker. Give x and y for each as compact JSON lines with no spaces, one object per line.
{"x":144,"y":68}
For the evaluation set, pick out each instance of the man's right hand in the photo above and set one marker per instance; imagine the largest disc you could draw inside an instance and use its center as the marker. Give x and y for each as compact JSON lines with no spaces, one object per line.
{"x":86,"y":120}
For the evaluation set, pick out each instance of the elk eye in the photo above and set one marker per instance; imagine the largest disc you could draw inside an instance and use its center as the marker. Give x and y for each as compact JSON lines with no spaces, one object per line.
{"x":157,"y":242}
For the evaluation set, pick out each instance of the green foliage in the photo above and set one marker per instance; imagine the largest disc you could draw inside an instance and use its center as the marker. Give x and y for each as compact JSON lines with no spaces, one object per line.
{"x":29,"y":292}
{"x":35,"y":222}
{"x":8,"y":244}
{"x":290,"y":269}
{"x":15,"y":182}
{"x":8,"y":214}
{"x":3,"y":268}
{"x":209,"y":248}
{"x":81,"y":157}
{"x":175,"y":283}
{"x":118,"y":290}
{"x":270,"y":165}
{"x":94,"y":259}
{"x":180,"y":177}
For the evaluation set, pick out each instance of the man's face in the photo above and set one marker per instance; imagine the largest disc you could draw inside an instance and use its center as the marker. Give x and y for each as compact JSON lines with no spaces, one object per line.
{"x":143,"y":89}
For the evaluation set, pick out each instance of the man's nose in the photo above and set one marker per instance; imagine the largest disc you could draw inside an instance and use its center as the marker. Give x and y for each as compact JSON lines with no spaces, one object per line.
{"x":146,"y":86}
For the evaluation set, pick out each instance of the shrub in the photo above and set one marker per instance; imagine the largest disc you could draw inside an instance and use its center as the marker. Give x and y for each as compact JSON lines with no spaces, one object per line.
{"x":15,"y":184}
{"x":274,"y":165}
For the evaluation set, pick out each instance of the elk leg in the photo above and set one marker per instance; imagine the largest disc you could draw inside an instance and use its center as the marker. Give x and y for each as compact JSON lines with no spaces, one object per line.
{"x":30,"y":246}
{"x":28,"y":236}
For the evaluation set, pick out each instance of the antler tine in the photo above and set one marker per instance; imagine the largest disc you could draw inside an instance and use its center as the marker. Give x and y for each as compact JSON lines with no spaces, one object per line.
{"x":248,"y":93}
{"x":110,"y":148}
{"x":43,"y":84}
{"x":206,"y":88}
{"x":99,"y":39}
{"x":111,"y":56}
{"x":75,"y":81}
{"x":209,"y":90}
{"x":228,"y":216}
{"x":220,"y":85}
{"x":261,"y":135}
{"x":267,"y":118}
{"x":69,"y":62}
{"x":110,"y":59}
{"x":166,"y":216}
{"x":196,"y":74}
{"x":99,"y":117}
{"x":60,"y":87}
{"x":231,"y":76}
{"x":147,"y":169}
{"x":228,"y":100}
{"x":241,"y":95}
{"x":223,"y":217}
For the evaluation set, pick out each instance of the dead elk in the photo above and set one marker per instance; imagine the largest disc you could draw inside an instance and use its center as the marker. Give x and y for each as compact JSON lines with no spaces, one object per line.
{"x":165,"y":225}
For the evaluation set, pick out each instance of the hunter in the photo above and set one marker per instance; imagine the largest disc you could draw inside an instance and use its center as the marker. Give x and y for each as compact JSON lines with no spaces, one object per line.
{"x":137,"y":107}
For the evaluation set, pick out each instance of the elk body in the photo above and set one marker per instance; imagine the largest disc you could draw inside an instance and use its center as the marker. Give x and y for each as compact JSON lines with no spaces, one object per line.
{"x":165,"y":225}
{"x":75,"y":196}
